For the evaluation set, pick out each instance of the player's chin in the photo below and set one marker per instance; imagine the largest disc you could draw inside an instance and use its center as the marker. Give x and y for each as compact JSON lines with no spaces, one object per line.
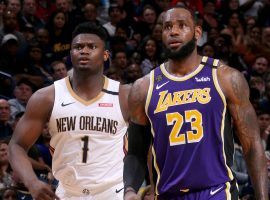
{"x":83,"y":67}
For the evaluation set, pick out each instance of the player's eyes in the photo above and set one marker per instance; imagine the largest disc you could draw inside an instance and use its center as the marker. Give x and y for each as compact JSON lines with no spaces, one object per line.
{"x":181,"y":25}
{"x":167,"y":27}
{"x":80,"y":47}
{"x":92,"y":46}
{"x":77,"y":47}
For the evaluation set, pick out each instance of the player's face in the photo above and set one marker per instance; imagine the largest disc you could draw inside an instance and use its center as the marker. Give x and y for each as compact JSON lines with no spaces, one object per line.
{"x":88,"y":52}
{"x":179,"y":33}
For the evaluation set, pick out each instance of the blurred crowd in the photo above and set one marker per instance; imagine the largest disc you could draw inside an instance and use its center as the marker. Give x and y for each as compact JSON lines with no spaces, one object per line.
{"x":35,"y":38}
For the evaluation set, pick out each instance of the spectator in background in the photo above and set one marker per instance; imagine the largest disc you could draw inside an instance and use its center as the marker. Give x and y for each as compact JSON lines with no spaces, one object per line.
{"x":223,"y":47}
{"x":260,"y":67}
{"x":117,"y":43}
{"x":45,"y":9}
{"x":265,"y":101}
{"x":210,"y":19}
{"x":136,"y":58}
{"x":266,"y":41}
{"x":43,"y":146}
{"x":235,"y":29}
{"x":63,"y":5}
{"x":59,"y":70}
{"x":251,"y":48}
{"x":208,"y":50}
{"x":2,"y":9}
{"x":120,"y":60}
{"x":22,"y":92}
{"x":7,"y":85}
{"x":28,"y":32}
{"x":72,"y":16}
{"x":125,"y":31}
{"x":14,"y":6}
{"x":118,"y":65}
{"x":254,"y":98}
{"x":250,"y":22}
{"x":239,"y":166}
{"x":132,"y":73}
{"x":34,"y":155}
{"x":264,"y":125}
{"x":43,"y":39}
{"x":36,"y":66}
{"x":263,"y":14}
{"x":150,"y":54}
{"x":9,"y":194}
{"x":228,"y":7}
{"x":157,"y":33}
{"x":212,"y":35}
{"x":116,"y":15}
{"x":250,"y":7}
{"x":5,"y":127}
{"x":114,"y":74}
{"x":90,"y":13}
{"x":59,"y":35}
{"x":10,"y":62}
{"x":8,"y":55}
{"x":258,"y":83}
{"x":28,"y":16}
{"x":5,"y":169}
{"x":10,"y":25}
{"x":147,"y":21}
{"x":42,"y":36}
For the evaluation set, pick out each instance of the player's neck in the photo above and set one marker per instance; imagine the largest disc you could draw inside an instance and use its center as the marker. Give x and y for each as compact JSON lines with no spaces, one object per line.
{"x":184,"y":66}
{"x":87,"y":87}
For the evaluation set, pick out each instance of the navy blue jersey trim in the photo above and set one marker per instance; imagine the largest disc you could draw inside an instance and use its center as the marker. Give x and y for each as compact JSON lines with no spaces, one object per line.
{"x":110,"y":92}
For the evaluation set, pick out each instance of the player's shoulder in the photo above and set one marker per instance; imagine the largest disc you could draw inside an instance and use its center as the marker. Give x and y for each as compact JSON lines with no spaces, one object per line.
{"x":139,"y":90}
{"x":142,"y":83}
{"x":224,"y":71}
{"x":44,"y":95}
{"x":230,"y":79}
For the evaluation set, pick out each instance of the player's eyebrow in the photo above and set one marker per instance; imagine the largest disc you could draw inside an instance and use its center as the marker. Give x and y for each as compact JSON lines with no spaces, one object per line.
{"x":88,"y":42}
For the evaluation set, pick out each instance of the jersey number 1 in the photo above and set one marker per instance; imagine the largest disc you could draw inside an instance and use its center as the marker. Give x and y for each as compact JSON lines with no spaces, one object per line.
{"x":85,"y":148}
{"x":194,"y":117}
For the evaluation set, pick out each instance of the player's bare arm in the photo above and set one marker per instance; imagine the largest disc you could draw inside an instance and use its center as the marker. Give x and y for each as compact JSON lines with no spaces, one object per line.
{"x":137,"y":99}
{"x":138,"y":139}
{"x":236,"y":91}
{"x":123,"y":98}
{"x":26,"y":133}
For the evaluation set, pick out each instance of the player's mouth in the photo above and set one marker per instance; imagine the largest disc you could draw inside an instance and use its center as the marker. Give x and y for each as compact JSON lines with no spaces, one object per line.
{"x":174,"y":44}
{"x":83,"y":61}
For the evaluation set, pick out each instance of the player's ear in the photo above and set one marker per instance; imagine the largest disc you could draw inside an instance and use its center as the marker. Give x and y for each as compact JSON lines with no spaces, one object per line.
{"x":106,"y":55}
{"x":198,"y":32}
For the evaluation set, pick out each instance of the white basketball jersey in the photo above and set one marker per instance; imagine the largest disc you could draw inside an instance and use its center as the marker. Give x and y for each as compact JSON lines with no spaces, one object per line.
{"x":87,"y":138}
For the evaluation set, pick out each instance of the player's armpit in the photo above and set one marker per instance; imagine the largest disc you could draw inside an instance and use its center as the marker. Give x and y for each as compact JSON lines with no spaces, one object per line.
{"x":236,"y":91}
{"x":137,"y":99}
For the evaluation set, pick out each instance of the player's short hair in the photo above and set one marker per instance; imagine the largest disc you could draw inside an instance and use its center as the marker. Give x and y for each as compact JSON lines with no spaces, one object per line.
{"x":194,"y":14}
{"x":91,"y":28}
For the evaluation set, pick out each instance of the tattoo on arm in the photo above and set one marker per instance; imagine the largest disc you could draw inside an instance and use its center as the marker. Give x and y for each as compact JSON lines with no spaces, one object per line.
{"x":136,"y":102}
{"x":245,"y":121}
{"x":241,"y":109}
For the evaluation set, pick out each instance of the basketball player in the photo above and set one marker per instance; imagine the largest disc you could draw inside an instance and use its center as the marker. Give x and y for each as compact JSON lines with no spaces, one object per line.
{"x":188,"y":101}
{"x":87,"y":122}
